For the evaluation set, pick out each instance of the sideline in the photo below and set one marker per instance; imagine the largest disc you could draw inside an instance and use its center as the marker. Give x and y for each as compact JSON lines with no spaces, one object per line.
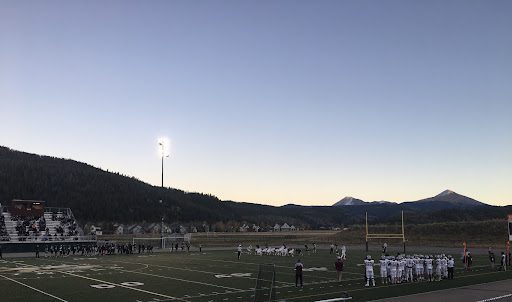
{"x":33,"y":288}
{"x":111,"y":283}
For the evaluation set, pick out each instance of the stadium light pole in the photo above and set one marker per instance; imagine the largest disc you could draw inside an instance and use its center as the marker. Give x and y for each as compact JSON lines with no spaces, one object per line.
{"x":162,"y":147}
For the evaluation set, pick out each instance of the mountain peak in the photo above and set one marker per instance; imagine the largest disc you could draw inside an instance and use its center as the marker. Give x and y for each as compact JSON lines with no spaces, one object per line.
{"x":349,"y":201}
{"x":445,"y":193}
{"x":454,"y":199}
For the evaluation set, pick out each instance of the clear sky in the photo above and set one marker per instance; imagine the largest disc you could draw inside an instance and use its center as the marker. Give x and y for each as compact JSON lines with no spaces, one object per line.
{"x":268,"y":101}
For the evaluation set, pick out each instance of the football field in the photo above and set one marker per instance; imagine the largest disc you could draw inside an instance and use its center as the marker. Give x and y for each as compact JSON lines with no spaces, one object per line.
{"x":204,"y":277}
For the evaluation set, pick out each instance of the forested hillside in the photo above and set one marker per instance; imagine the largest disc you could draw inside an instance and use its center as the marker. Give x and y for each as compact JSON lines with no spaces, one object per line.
{"x":96,"y":195}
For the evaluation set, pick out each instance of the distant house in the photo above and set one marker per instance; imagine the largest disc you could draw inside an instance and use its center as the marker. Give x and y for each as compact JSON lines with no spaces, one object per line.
{"x":255,"y":228}
{"x":154,"y":228}
{"x":183,"y":230}
{"x":243,"y":228}
{"x":96,"y":231}
{"x":285,"y":227}
{"x":167,"y":229}
{"x":193,"y":229}
{"x":119,"y":229}
{"x":277,"y":228}
{"x":136,"y":229}
{"x":293,"y":228}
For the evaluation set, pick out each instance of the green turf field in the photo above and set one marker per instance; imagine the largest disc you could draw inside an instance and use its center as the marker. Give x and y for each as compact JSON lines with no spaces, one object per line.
{"x":209,"y":276}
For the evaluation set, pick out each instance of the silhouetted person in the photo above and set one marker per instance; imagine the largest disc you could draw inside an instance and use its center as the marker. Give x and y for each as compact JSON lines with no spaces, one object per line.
{"x":492,"y":259}
{"x":339,"y":268}
{"x":298,"y":273}
{"x":469,"y":260}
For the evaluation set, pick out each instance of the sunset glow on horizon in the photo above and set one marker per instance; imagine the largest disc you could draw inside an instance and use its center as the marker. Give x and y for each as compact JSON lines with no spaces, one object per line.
{"x":270,"y":102}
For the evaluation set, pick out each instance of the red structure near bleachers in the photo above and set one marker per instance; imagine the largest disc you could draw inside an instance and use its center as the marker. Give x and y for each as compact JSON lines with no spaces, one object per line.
{"x":27,"y":208}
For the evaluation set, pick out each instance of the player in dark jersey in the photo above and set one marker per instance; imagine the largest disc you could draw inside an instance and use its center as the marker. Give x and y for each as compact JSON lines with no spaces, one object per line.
{"x":298,"y":273}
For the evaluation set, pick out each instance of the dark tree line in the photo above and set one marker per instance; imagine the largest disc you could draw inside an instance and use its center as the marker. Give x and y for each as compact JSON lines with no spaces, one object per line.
{"x":95,"y":195}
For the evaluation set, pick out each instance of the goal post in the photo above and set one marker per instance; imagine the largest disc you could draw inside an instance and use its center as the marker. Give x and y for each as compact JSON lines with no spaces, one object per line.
{"x":156,"y":242}
{"x":163,"y":242}
{"x":400,"y":236}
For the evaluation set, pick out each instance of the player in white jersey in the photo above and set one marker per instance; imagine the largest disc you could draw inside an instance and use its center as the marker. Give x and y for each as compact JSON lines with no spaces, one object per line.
{"x":438,"y":268}
{"x":368,"y":263}
{"x":417,"y":269}
{"x":422,"y":267}
{"x":383,"y":270}
{"x":401,"y":269}
{"x":393,"y":270}
{"x":409,"y":264}
{"x":428,"y":263}
{"x":343,"y":252}
{"x":444,"y":267}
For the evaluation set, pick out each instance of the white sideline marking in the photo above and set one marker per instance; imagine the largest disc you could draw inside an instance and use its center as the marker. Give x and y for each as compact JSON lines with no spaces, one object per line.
{"x":127,"y":287}
{"x":496,"y":298}
{"x":166,"y":277}
{"x":404,"y":284}
{"x":106,"y":282}
{"x":32,"y":288}
{"x":192,"y":270}
{"x":228,"y":261}
{"x":183,"y":280}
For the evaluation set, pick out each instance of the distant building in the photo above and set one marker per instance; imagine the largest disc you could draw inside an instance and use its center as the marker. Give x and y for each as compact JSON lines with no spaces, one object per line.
{"x":255,"y":228}
{"x":183,"y":230}
{"x":136,"y":229}
{"x":277,"y":228}
{"x":285,"y":227}
{"x":154,"y":228}
{"x":293,"y":228}
{"x":243,"y":228}
{"x":119,"y":229}
{"x":96,"y":231}
{"x":167,"y":229}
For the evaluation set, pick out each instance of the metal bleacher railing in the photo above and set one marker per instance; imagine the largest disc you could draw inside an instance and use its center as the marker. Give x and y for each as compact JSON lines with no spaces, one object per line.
{"x":52,"y":216}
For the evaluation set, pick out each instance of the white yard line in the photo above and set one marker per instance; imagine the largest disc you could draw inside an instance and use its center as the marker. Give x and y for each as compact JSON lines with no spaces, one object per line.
{"x":127,"y":287}
{"x":33,"y":288}
{"x":183,"y":280}
{"x":167,"y":277}
{"x":282,"y":266}
{"x":111,"y":283}
{"x":495,"y":298}
{"x":289,"y":284}
{"x":191,"y":270}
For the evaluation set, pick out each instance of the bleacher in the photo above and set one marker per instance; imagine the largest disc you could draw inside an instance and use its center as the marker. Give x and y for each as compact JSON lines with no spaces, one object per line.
{"x":4,"y":235}
{"x":20,"y":223}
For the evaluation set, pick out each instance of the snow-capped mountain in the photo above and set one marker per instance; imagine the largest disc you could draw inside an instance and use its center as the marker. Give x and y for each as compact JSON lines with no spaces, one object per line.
{"x":445,"y":199}
{"x":350,"y":201}
{"x":452,"y":198}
